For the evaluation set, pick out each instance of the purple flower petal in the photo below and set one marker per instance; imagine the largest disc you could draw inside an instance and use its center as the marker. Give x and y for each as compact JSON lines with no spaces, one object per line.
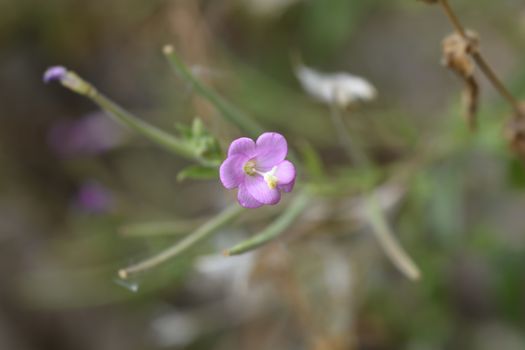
{"x":285,"y":172}
{"x":271,"y":150}
{"x":246,"y":199}
{"x":94,"y":198}
{"x":288,"y":187}
{"x":90,"y":135}
{"x":242,"y":146}
{"x":54,"y":73}
{"x":259,"y":189}
{"x":231,"y":172}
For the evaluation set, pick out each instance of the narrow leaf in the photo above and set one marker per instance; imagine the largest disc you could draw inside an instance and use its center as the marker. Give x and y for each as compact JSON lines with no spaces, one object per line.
{"x":197,"y":236}
{"x":282,"y":223}
{"x":198,"y":172}
{"x":161,"y":228}
{"x":387,"y":240}
{"x":170,"y":142}
{"x":227,"y":110}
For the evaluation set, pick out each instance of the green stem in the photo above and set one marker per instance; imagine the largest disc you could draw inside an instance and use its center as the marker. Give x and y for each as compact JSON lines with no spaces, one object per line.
{"x":353,"y":151}
{"x":375,"y":215}
{"x":203,"y":232}
{"x":386,"y":238}
{"x":228,"y":110}
{"x":162,"y":228}
{"x":170,"y":142}
{"x":162,"y":138}
{"x":277,"y":227}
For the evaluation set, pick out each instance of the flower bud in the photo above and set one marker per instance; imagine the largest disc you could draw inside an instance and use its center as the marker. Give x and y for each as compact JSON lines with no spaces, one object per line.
{"x":68,"y":79}
{"x":54,"y":73}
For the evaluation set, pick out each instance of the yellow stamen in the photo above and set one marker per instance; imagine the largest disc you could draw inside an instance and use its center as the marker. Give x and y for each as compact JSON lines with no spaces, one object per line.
{"x":271,"y":179}
{"x":249,"y":168}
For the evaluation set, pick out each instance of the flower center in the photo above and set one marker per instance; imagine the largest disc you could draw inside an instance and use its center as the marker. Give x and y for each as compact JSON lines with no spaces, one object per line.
{"x":250,"y":169}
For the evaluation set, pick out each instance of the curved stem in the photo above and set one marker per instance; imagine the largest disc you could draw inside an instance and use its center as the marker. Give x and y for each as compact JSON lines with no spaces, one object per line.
{"x":481,"y":62}
{"x":386,"y":238}
{"x":168,"y":141}
{"x":353,"y":151}
{"x":203,"y":232}
{"x":274,"y":229}
{"x":456,"y":23}
{"x":227,"y":110}
{"x":498,"y":85}
{"x":172,"y":143}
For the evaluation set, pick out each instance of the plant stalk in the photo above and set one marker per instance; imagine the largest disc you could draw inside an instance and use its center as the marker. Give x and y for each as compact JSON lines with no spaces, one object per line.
{"x":481,"y":62}
{"x":203,"y":232}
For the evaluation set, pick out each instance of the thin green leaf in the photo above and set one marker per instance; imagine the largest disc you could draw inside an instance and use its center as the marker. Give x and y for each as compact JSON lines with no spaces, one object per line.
{"x":170,"y":142}
{"x":386,"y":238}
{"x":197,"y":236}
{"x":228,"y":110}
{"x":198,"y":172}
{"x":162,"y":138}
{"x":277,"y":227}
{"x":160,"y":228}
{"x":312,"y":160}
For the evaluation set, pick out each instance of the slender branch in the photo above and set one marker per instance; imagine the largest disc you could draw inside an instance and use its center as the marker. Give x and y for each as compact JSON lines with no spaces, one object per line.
{"x":481,"y":62}
{"x":375,"y":215}
{"x":203,"y":232}
{"x":453,"y":18}
{"x":385,"y":236}
{"x":164,"y":139}
{"x":353,"y":152}
{"x":160,"y":228}
{"x":227,"y":109}
{"x":498,"y":85}
{"x":172,"y":143}
{"x":277,"y":227}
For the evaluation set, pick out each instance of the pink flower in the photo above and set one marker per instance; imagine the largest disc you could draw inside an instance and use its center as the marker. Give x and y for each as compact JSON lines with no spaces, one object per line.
{"x":258,"y":169}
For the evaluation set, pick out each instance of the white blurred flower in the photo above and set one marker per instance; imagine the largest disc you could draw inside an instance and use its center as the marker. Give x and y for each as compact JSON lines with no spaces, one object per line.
{"x":174,"y":329}
{"x":340,"y":89}
{"x":388,"y":196}
{"x":267,"y":8}
{"x":231,"y":275}
{"x":233,"y":272}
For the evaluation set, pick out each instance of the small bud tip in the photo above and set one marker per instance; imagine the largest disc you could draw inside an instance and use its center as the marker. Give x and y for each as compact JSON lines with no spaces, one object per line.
{"x":123,"y":274}
{"x":226,"y":253}
{"x":54,"y":73}
{"x":167,"y":49}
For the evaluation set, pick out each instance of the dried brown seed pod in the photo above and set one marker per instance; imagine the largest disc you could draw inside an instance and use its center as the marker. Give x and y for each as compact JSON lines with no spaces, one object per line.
{"x":457,"y":51}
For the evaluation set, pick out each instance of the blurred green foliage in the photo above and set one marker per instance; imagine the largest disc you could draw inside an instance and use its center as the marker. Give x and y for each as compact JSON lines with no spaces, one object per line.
{"x":461,"y":218}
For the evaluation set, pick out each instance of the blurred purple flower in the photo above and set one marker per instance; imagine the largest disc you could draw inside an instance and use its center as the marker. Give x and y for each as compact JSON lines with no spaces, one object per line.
{"x":90,"y":135}
{"x":258,"y":169}
{"x":94,"y":198}
{"x":54,"y":73}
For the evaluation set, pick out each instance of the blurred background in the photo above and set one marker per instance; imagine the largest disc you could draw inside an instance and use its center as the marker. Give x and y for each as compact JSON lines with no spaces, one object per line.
{"x":72,"y":180}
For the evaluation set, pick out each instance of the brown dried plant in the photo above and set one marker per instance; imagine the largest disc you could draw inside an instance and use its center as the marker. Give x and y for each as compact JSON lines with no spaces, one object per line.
{"x":457,"y":56}
{"x":460,"y":53}
{"x":514,"y":132}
